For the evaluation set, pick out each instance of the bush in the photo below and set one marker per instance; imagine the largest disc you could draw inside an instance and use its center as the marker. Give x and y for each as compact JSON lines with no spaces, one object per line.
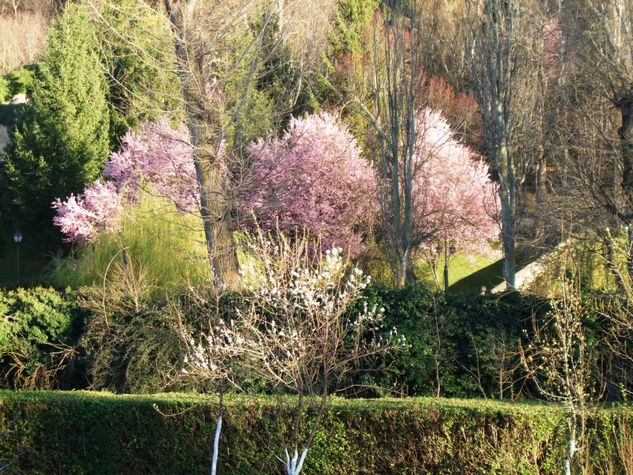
{"x":167,"y":246}
{"x":22,"y":81}
{"x":38,"y":327}
{"x":130,"y":349}
{"x":459,"y":345}
{"x":4,"y":89}
{"x":83,"y":432}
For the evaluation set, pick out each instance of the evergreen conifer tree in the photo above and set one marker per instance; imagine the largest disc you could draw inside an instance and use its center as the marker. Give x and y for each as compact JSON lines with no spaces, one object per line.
{"x":61,"y":142}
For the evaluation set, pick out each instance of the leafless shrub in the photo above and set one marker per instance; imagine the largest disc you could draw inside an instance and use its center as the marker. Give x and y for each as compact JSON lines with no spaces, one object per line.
{"x":23,"y":38}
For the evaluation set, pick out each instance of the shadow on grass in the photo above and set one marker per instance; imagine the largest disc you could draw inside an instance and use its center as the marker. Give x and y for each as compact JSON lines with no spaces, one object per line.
{"x":490,"y":276}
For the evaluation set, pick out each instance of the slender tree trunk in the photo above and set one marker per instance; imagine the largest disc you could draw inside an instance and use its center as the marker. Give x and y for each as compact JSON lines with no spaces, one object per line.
{"x":541,"y":180}
{"x":625,"y":105}
{"x":410,"y":275}
{"x":446,"y":266}
{"x":508,"y":235}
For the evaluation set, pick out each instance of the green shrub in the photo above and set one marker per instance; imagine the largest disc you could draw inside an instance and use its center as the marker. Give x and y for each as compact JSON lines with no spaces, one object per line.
{"x":22,"y":81}
{"x":130,"y":350}
{"x":61,"y":142}
{"x":458,"y":345}
{"x":83,"y":432}
{"x":38,"y":327}
{"x":4,"y":89}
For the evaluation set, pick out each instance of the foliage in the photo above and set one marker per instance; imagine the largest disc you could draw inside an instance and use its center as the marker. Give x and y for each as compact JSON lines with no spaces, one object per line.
{"x":137,"y":51}
{"x":136,"y":347}
{"x":558,"y":359}
{"x":351,"y":18}
{"x":23,"y":81}
{"x":458,"y":345}
{"x":62,"y":142}
{"x":37,"y":328}
{"x":312,"y":179}
{"x":101,"y":433}
{"x":5,"y":89}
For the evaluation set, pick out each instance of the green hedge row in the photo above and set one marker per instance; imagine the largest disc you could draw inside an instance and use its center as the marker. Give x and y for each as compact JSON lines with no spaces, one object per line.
{"x":83,"y":432}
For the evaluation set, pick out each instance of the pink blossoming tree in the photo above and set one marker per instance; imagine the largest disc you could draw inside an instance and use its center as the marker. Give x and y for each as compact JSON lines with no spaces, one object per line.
{"x":155,"y":158}
{"x":454,"y":198}
{"x":314,"y":179}
{"x":81,"y":217}
{"x":455,"y":202}
{"x":158,"y":159}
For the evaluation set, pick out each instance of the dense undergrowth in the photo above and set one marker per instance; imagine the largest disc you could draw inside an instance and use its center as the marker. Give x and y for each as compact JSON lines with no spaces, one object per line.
{"x":457,"y":345}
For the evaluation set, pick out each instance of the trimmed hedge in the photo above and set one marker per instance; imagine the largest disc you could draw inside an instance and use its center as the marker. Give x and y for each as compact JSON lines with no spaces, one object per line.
{"x":83,"y":432}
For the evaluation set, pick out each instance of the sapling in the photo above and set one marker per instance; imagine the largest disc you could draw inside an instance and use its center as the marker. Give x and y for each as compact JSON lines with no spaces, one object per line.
{"x":559,"y":361}
{"x":295,"y":332}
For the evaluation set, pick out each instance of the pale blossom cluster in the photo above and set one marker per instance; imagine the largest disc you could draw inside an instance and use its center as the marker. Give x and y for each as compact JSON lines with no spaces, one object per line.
{"x":296,"y":322}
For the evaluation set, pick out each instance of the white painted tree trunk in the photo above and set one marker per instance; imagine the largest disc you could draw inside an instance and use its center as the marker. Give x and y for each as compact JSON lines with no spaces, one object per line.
{"x":216,"y":446}
{"x":294,"y":465}
{"x":570,"y":454}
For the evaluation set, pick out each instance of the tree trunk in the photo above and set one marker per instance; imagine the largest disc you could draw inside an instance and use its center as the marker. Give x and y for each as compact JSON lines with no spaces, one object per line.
{"x":507,"y":193}
{"x":625,"y":105}
{"x":508,"y":236}
{"x":410,"y":275}
{"x":216,"y":211}
{"x":401,"y":273}
{"x":215,"y":205}
{"x":541,"y":180}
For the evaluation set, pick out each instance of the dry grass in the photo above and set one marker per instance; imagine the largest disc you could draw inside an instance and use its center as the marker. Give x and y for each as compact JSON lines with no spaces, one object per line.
{"x":23,"y":38}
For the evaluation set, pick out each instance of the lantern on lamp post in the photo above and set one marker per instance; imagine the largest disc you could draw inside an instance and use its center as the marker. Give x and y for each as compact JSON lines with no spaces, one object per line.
{"x":17,"y":237}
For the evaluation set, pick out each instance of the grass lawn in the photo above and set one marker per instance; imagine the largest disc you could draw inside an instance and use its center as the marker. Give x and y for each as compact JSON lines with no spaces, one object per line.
{"x":465,"y":273}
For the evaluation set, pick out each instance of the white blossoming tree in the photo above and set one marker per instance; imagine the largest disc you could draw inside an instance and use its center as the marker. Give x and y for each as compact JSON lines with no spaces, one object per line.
{"x":295,"y":332}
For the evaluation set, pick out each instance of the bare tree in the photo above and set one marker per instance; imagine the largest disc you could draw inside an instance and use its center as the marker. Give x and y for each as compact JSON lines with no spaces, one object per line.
{"x":494,"y":30}
{"x":397,"y":84}
{"x":558,"y":362}
{"x":609,"y":61}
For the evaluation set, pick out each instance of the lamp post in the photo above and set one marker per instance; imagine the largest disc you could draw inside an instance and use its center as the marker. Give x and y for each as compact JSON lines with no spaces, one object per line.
{"x":17,"y":237}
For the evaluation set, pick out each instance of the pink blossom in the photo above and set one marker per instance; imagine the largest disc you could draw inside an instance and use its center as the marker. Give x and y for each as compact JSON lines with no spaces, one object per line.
{"x":155,"y":158}
{"x":81,"y":217}
{"x":312,"y":178}
{"x":454,"y":198}
{"x":158,"y":156}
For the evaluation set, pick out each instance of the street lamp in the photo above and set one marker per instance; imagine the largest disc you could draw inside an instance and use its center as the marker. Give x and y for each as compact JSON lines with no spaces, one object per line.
{"x":17,"y":237}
